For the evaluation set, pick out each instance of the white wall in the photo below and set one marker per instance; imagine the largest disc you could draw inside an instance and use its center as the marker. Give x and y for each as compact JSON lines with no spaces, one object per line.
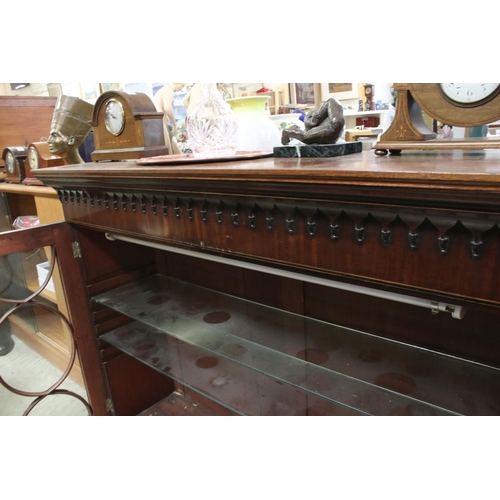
{"x":382,"y":93}
{"x":31,"y":89}
{"x":40,"y":89}
{"x":382,"y":90}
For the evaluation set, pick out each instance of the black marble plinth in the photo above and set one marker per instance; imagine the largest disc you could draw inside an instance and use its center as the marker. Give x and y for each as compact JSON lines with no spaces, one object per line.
{"x":318,"y":150}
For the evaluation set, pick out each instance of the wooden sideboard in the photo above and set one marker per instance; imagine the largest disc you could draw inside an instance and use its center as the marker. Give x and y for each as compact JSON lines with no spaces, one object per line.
{"x":341,"y":286}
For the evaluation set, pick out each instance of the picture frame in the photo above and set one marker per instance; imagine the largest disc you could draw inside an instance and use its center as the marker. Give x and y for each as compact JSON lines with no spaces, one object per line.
{"x":104,"y":87}
{"x":245,"y":89}
{"x":303,"y":94}
{"x":89,"y":92}
{"x":340,"y":91}
{"x":54,"y":89}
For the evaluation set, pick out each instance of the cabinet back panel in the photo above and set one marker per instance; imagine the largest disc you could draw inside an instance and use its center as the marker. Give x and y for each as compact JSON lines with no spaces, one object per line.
{"x":104,"y":259}
{"x":474,"y":337}
{"x":274,"y":291}
{"x":134,"y":386}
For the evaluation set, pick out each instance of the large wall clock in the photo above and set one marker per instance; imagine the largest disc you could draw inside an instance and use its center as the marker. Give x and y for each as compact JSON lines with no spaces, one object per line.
{"x":456,"y":104}
{"x":127,"y":126}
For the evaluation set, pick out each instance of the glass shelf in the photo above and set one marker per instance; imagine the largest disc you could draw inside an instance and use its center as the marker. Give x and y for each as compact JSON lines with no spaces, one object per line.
{"x":240,"y":353}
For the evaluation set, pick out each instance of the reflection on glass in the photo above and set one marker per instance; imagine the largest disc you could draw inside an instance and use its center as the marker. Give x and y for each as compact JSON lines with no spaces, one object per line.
{"x":22,"y":273}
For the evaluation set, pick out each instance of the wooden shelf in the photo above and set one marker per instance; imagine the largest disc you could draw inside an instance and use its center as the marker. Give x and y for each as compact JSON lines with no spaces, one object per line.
{"x":355,"y":134}
{"x":24,"y":189}
{"x":366,"y":113}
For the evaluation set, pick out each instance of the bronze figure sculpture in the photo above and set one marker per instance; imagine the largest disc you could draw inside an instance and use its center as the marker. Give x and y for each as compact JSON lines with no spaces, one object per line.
{"x":322,"y":126}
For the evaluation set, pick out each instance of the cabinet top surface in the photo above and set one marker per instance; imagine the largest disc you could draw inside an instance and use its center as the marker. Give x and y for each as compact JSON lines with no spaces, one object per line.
{"x":453,"y":166}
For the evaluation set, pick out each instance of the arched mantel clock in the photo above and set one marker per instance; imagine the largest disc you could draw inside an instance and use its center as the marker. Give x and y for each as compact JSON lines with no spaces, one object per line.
{"x":455,"y":104}
{"x":127,"y":126}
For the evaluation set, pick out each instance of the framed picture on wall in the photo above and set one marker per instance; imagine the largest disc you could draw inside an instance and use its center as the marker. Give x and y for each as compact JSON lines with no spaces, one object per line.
{"x":55,"y":89}
{"x":104,"y":87}
{"x":340,"y":91}
{"x":245,"y":89}
{"x":89,"y":92}
{"x":302,"y":93}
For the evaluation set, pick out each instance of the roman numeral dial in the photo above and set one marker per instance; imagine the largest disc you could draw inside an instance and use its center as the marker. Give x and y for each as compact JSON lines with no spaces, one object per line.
{"x":470,"y":93}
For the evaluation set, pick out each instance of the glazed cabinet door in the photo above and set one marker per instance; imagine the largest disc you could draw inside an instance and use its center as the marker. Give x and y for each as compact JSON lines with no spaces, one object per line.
{"x":48,"y":359}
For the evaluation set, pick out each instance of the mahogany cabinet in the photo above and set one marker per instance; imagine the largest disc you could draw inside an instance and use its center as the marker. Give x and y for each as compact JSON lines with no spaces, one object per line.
{"x":357,"y":285}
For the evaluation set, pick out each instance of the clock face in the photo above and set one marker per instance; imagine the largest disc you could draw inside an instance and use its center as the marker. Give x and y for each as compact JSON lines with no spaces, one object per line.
{"x":11,"y":163}
{"x":368,"y":90}
{"x":33,"y":158}
{"x":471,"y":94}
{"x":114,"y":117}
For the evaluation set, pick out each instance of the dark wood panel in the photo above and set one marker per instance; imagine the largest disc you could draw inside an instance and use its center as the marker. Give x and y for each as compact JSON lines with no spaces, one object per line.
{"x":105,"y":259}
{"x":32,"y":239}
{"x":121,"y":279}
{"x":77,"y":299}
{"x":274,"y":291}
{"x":109,"y":352}
{"x":220,"y":277}
{"x":102,"y":314}
{"x":24,"y":120}
{"x":111,"y":324}
{"x":438,"y":251}
{"x":134,"y":386}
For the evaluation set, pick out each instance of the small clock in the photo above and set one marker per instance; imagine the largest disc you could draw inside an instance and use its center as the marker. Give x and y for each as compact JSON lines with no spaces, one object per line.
{"x":10,"y":162}
{"x":114,"y":117}
{"x":33,"y":158}
{"x":39,"y":156}
{"x":369,"y":92}
{"x":126,"y":126}
{"x":14,"y":163}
